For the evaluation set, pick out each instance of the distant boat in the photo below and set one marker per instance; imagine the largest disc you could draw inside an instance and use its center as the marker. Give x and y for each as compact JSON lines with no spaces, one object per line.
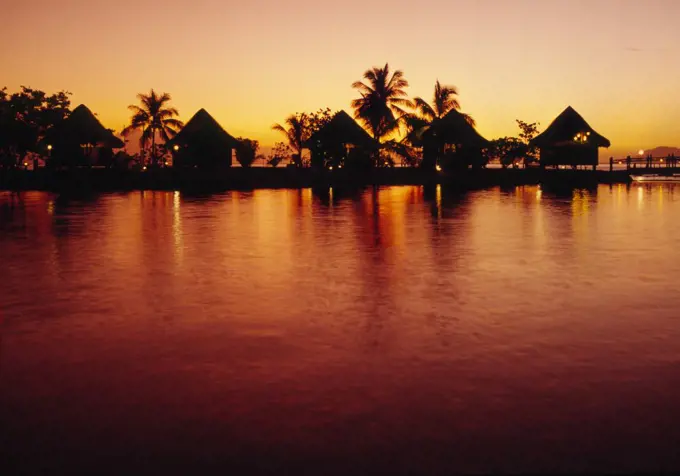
{"x":656,"y":178}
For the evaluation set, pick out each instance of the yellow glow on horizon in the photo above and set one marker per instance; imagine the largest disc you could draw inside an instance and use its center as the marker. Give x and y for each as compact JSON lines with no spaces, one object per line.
{"x":248,"y":85}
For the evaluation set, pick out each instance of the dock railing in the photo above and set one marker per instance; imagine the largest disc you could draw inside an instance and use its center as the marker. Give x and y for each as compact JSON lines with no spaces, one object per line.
{"x":646,"y":163}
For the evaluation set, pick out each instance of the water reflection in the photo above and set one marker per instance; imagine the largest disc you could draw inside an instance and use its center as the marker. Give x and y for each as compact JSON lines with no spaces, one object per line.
{"x":284,"y":320}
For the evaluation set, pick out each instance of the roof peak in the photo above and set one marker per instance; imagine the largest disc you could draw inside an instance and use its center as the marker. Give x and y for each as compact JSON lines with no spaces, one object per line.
{"x":84,"y":108}
{"x":565,"y":126}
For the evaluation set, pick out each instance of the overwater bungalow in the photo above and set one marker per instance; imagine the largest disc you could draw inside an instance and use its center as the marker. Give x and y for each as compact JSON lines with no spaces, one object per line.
{"x":569,"y":141}
{"x":202,"y":143}
{"x":452,"y":142}
{"x":341,"y":142}
{"x":81,"y":140}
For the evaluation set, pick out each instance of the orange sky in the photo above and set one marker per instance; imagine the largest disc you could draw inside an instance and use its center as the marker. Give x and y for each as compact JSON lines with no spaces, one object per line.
{"x":251,"y":63}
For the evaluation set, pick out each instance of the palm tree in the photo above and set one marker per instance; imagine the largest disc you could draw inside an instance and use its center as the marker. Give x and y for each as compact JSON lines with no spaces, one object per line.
{"x":296,"y":132}
{"x":426,"y":115}
{"x":443,"y":102}
{"x":382,"y":100}
{"x":153,"y":118}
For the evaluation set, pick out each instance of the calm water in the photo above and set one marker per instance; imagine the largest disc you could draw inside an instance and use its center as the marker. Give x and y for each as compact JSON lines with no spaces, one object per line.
{"x":400,"y":329}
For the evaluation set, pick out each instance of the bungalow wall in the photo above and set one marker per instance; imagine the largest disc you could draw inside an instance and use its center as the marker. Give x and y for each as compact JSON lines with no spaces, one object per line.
{"x":203,"y":156}
{"x":568,"y":155}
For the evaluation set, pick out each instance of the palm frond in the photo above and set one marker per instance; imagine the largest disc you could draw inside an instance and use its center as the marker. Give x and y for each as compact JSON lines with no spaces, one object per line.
{"x":166,"y":133}
{"x":167,"y":113}
{"x":136,"y":109}
{"x":279,"y":128}
{"x":146,"y":137}
{"x":424,"y":108}
{"x":173,"y":123}
{"x":163,"y":98}
{"x":469,"y":119}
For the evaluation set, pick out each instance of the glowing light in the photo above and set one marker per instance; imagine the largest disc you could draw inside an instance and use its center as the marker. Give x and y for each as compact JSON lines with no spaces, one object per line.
{"x":144,"y":168}
{"x":641,"y":152}
{"x":176,"y":147}
{"x":49,"y":146}
{"x":330,"y":168}
{"x":661,"y":160}
{"x":581,"y":137}
{"x":25,"y":164}
{"x":439,"y":168}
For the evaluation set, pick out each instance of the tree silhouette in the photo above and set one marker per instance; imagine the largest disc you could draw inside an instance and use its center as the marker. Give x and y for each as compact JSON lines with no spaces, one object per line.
{"x":425,"y":115}
{"x":299,"y":127}
{"x":527,"y":132}
{"x":296,"y":132}
{"x":279,"y":152}
{"x":514,"y":150}
{"x":246,"y":151}
{"x":154,"y":118}
{"x":382,"y":102}
{"x":25,"y":117}
{"x":443,"y":101}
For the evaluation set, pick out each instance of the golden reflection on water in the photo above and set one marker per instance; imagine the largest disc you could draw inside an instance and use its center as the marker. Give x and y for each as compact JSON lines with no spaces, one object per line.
{"x":580,"y":207}
{"x":640,"y":197}
{"x":177,"y":225}
{"x":287,"y":316}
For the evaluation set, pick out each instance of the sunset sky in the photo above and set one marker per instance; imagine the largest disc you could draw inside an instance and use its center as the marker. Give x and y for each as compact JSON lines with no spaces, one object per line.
{"x":251,"y":63}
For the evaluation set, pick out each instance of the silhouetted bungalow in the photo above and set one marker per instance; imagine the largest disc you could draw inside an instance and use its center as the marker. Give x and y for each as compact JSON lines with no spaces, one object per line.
{"x":569,"y":140}
{"x":452,"y":140}
{"x":341,"y":142}
{"x":80,"y":138}
{"x":202,"y":142}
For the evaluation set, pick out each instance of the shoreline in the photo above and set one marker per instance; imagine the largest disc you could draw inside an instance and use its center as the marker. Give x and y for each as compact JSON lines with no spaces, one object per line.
{"x":95,"y":180}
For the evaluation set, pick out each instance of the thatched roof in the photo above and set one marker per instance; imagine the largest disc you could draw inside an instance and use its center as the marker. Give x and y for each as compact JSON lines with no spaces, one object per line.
{"x":342,"y":129}
{"x":453,"y":128}
{"x":565,"y":127}
{"x":82,"y":127}
{"x":204,"y":129}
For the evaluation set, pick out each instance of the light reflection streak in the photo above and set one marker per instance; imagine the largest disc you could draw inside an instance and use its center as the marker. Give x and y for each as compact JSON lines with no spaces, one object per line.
{"x":580,"y":205}
{"x":177,"y":225}
{"x":640,"y":197}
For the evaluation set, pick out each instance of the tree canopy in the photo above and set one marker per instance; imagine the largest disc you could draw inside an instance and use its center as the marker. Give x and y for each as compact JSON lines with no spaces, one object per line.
{"x":25,"y":117}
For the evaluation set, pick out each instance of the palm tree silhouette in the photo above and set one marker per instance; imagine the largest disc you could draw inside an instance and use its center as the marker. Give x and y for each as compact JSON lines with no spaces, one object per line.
{"x":426,"y":115}
{"x":296,"y":133}
{"x":153,"y":118}
{"x":382,"y":100}
{"x":443,"y":101}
